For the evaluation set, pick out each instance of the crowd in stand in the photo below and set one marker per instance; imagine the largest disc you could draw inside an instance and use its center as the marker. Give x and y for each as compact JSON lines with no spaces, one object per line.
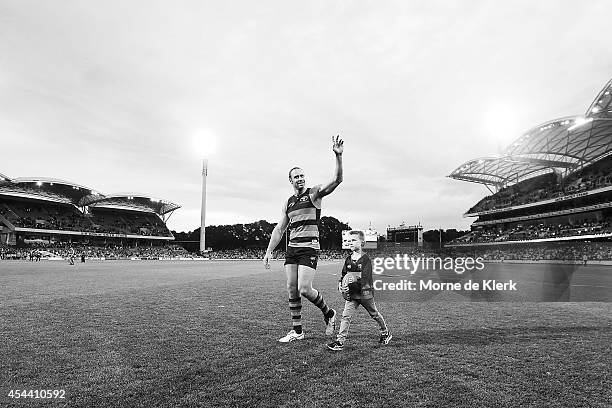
{"x":531,"y":232}
{"x":50,"y":216}
{"x":24,"y":189}
{"x":563,"y":251}
{"x":5,"y":250}
{"x":544,"y":188}
{"x":240,"y":254}
{"x":134,"y":223}
{"x":66,"y":251}
{"x":325,"y":254}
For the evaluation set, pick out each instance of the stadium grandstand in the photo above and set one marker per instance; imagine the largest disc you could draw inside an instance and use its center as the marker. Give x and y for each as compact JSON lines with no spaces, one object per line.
{"x":552,"y":184}
{"x":54,"y":213}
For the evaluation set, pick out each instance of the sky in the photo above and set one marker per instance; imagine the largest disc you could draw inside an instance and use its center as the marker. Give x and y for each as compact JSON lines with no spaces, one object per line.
{"x":119,"y":95}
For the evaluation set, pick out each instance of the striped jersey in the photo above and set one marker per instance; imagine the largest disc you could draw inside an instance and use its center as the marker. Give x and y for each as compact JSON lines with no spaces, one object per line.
{"x":362,"y":269}
{"x":304,"y":214}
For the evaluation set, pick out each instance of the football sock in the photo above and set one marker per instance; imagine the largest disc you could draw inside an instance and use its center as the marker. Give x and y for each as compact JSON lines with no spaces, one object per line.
{"x":320,"y":303}
{"x":295,"y":305}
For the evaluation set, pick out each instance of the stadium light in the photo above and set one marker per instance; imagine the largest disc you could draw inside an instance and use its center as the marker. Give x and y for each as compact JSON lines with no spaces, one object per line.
{"x":579,"y":122}
{"x":500,"y":121}
{"x":203,"y":208}
{"x":205,"y":144}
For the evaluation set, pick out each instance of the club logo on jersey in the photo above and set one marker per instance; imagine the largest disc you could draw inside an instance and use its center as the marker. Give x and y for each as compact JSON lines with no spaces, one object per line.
{"x":349,"y":267}
{"x":305,"y":198}
{"x":359,"y":266}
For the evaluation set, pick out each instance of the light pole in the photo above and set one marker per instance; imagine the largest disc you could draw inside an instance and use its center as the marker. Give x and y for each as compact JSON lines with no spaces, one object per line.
{"x":203,"y":214}
{"x":204,"y":146}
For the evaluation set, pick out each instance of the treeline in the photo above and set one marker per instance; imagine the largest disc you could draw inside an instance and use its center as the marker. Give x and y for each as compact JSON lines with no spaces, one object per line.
{"x":448,"y":235}
{"x":256,"y":235}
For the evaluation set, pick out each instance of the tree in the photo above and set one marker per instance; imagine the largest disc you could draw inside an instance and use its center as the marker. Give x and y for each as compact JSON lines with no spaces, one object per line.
{"x":256,"y":235}
{"x":433,"y":236}
{"x":330,"y":233}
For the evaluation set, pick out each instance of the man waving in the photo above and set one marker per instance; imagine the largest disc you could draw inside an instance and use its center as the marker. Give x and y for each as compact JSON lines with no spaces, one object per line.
{"x":301,"y":213}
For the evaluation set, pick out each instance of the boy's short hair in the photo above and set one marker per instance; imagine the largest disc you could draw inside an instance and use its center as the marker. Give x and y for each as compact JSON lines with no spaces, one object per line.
{"x":360,"y":234}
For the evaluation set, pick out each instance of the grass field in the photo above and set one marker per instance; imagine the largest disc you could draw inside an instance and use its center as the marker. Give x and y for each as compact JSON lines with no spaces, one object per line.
{"x":189,"y":334}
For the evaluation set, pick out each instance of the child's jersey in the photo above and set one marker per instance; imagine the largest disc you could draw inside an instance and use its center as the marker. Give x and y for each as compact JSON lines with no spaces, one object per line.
{"x":362,"y":269}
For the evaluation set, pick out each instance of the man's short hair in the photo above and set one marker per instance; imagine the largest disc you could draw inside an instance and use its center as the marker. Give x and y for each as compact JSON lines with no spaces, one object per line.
{"x":294,"y":168}
{"x":360,"y":234}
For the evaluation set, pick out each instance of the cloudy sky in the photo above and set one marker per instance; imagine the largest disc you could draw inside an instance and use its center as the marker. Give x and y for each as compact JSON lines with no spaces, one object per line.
{"x":114,"y":94}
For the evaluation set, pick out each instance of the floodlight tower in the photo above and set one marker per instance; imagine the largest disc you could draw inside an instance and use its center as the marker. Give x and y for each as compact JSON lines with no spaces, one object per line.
{"x":204,"y":146}
{"x":203,"y":215}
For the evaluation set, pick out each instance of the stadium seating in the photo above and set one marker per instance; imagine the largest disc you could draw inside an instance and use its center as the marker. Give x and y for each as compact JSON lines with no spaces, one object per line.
{"x":42,"y":215}
{"x":65,"y":250}
{"x":531,"y":232}
{"x":547,"y":187}
{"x":10,"y":188}
{"x":558,"y":251}
{"x":127,"y":222}
{"x":325,"y":254}
{"x":549,"y":251}
{"x":56,"y":216}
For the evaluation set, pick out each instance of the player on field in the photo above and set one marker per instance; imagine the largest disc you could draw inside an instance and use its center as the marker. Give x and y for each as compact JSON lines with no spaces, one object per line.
{"x":301,"y":213}
{"x":358,"y":293}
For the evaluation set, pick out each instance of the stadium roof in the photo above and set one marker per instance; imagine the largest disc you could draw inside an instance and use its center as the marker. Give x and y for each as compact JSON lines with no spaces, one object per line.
{"x":52,"y":181}
{"x":568,"y":144}
{"x":3,"y":177}
{"x":602,"y":105}
{"x":67,"y":192}
{"x":48,"y":189}
{"x":130,"y":201}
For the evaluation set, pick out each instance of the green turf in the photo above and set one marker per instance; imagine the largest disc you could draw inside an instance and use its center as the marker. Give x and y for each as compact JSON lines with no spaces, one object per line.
{"x":155,"y":334}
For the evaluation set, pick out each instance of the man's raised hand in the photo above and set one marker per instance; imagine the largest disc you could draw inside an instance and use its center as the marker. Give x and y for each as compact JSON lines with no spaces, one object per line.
{"x":338,"y":144}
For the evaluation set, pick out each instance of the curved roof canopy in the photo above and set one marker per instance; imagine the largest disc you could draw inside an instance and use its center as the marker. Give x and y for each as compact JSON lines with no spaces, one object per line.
{"x":52,"y":189}
{"x":130,"y":201}
{"x":601,"y":108}
{"x":4,"y":178}
{"x":498,"y":171}
{"x":567,"y":144}
{"x":51,"y":181}
{"x":67,"y":192}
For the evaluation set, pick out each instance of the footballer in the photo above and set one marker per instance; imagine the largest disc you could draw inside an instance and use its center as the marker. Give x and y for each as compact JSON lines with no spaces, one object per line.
{"x":301,"y":213}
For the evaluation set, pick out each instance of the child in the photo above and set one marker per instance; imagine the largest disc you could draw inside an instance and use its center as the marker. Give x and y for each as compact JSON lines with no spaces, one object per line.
{"x":358,"y":293}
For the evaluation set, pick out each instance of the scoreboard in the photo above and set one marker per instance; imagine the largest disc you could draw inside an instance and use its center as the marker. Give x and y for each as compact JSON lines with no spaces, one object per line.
{"x":406,"y":233}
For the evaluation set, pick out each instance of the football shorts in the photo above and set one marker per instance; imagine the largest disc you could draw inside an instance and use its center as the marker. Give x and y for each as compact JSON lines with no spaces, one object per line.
{"x":302,"y":256}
